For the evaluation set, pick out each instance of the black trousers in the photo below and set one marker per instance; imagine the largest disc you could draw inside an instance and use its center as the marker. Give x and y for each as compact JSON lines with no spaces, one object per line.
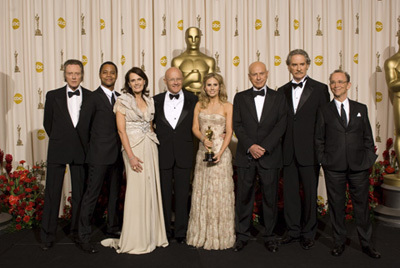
{"x":54,"y":183}
{"x":300,"y":220}
{"x":245,"y":199}
{"x":97,"y":175}
{"x":358,"y":187}
{"x":175,"y":181}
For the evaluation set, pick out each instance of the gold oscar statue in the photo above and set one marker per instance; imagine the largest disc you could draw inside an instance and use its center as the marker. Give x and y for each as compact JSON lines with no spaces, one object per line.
{"x":209,"y":154}
{"x":392,"y":75}
{"x":193,"y":63}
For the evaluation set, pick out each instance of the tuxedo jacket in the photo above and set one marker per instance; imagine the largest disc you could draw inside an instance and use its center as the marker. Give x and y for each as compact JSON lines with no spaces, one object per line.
{"x":97,"y":128}
{"x":298,"y":141}
{"x":176,"y":145}
{"x":65,"y":146}
{"x":339,"y":147}
{"x":267,"y":133}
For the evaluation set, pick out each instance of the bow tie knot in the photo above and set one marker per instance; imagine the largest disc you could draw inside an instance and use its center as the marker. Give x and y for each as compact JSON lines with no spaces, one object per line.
{"x":259,"y":93}
{"x":176,"y":96}
{"x":72,"y":93}
{"x":294,"y":85}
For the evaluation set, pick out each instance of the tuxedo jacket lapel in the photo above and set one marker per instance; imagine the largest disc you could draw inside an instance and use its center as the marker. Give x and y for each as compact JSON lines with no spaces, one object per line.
{"x":185,"y":110}
{"x":334,"y":110}
{"x":353,"y":113}
{"x":63,"y":105}
{"x":289,"y":97}
{"x":308,"y":89}
{"x":161,"y":110}
{"x":105,"y":99}
{"x":249,"y":100}
{"x":268,"y":104}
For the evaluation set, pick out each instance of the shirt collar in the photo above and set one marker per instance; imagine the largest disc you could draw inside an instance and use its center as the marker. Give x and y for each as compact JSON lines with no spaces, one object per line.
{"x":70,"y":90}
{"x":108,"y":92}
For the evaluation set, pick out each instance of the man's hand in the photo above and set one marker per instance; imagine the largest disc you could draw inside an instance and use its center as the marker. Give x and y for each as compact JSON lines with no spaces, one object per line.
{"x":256,"y":151}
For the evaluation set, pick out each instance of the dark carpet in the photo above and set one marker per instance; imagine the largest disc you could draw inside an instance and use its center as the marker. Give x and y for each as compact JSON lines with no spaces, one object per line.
{"x":21,"y":249}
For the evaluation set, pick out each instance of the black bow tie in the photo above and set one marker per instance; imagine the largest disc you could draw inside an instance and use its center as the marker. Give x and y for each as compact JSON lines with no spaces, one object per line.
{"x":76,"y":92}
{"x":294,"y":85}
{"x":176,"y":96}
{"x":259,"y":93}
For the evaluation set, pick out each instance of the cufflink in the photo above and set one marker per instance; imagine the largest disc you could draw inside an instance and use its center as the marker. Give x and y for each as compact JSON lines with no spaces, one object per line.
{"x":358,"y":115}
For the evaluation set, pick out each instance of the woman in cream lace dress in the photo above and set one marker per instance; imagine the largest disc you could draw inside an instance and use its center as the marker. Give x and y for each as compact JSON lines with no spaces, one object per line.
{"x":143,"y":225}
{"x":211,"y":222}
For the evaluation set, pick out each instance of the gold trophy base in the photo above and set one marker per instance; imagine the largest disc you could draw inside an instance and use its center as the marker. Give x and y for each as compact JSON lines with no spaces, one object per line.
{"x":209,"y":157}
{"x":319,"y":33}
{"x":38,"y":33}
{"x":19,"y":143}
{"x":40,"y":106}
{"x":277,"y":33}
{"x":392,"y":180}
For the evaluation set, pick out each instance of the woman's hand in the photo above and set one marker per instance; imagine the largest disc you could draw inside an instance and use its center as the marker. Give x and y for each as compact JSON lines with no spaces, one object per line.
{"x":217,"y":157}
{"x":135,"y":164}
{"x":207,"y":143}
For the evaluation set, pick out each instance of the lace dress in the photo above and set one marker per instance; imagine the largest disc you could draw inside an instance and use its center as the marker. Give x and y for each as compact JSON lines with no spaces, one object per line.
{"x":212,"y":215}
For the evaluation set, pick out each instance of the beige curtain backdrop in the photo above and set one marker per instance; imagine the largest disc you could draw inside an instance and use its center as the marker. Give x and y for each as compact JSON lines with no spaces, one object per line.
{"x":39,"y":35}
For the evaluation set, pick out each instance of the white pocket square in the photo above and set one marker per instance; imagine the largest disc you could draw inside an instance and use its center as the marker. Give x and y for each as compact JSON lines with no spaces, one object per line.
{"x":358,"y":115}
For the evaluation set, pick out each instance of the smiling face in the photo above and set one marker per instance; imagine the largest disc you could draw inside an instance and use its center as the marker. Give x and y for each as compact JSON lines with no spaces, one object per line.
{"x":339,"y":86}
{"x":108,"y":76}
{"x":136,"y":83}
{"x":298,"y":67}
{"x":173,"y":79}
{"x":258,"y":74}
{"x":212,"y":87}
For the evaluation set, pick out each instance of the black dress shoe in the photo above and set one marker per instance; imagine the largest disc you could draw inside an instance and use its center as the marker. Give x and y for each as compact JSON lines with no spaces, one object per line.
{"x":180,"y":240}
{"x":371,"y":252}
{"x":288,"y":240}
{"x":87,"y":248}
{"x":239,"y":245}
{"x":46,"y":246}
{"x":307,"y":243}
{"x":272,"y":246}
{"x":337,"y":250}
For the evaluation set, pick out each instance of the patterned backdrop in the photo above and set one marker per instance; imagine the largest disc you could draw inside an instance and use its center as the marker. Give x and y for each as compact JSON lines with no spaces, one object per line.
{"x":39,"y":35}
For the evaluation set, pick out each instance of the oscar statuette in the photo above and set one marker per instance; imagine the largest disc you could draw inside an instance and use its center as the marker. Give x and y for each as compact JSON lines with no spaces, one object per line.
{"x":209,"y":154}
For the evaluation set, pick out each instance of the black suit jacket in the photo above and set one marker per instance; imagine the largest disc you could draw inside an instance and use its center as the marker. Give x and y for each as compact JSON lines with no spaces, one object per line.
{"x":65,"y":146}
{"x":175,"y":144}
{"x":340,"y":147}
{"x":267,"y":133}
{"x":97,"y":128}
{"x":298,"y":141}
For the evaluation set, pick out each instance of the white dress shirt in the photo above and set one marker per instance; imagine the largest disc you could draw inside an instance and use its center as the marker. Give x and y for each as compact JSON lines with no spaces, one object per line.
{"x":346,"y":108}
{"x":296,"y":93}
{"x":173,"y":108}
{"x":109,"y":93}
{"x":259,"y":101}
{"x":74,"y":105}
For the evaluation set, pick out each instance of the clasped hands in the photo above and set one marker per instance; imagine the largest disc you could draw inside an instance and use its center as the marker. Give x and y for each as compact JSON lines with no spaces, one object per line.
{"x":208,"y":145}
{"x":256,"y":151}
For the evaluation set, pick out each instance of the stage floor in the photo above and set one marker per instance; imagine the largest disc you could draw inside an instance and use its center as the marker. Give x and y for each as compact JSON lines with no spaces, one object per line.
{"x":21,"y":249}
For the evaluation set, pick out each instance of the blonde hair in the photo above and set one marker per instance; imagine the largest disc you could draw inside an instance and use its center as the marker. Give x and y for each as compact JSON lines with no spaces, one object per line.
{"x":204,"y":99}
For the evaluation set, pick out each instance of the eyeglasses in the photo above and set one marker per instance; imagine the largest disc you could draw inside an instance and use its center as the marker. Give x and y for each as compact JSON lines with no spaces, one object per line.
{"x":175,"y":80}
{"x":332,"y":83}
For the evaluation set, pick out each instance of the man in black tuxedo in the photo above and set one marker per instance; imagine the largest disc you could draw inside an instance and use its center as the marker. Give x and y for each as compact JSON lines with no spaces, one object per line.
{"x":345,"y":149}
{"x":259,"y":122}
{"x":173,"y":126}
{"x":304,"y":96}
{"x":61,"y":115}
{"x":98,"y":130}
